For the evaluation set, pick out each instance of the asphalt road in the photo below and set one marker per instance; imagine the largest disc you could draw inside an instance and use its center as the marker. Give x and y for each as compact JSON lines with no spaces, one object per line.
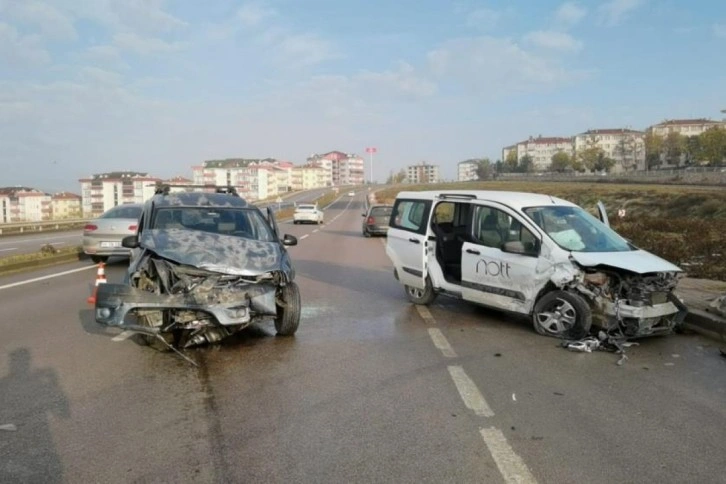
{"x":371,"y":389}
{"x":26,"y":244}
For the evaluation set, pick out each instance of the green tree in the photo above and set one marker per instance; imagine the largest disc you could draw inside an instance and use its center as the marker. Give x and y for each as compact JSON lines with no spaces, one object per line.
{"x":593,"y":158}
{"x":484,"y":169}
{"x":629,"y":150}
{"x":510,"y":162}
{"x":526,"y":164}
{"x":561,"y":162}
{"x":674,"y":145}
{"x":653,"y":150}
{"x":713,"y":145}
{"x":692,"y":149}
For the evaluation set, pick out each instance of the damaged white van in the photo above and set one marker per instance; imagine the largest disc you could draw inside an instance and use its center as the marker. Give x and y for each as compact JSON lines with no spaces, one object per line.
{"x":531,"y":254}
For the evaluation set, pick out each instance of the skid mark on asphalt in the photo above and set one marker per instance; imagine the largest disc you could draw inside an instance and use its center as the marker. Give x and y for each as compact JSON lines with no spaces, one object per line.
{"x":441,"y":342}
{"x":473,"y":399}
{"x":511,"y":466}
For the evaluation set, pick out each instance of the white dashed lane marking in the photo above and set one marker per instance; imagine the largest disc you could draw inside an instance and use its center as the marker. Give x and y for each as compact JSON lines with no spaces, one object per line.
{"x":424,"y":312}
{"x":304,"y":236}
{"x":441,"y":342}
{"x":512,"y":467}
{"x":473,"y":399}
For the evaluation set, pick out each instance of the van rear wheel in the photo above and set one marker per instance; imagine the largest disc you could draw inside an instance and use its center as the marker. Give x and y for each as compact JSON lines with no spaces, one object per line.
{"x":423,"y":296}
{"x":562,"y":314}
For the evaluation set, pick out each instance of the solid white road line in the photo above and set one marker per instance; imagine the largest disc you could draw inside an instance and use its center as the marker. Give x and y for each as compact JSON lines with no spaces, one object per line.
{"x":473,"y":399}
{"x":49,"y":276}
{"x":11,"y":248}
{"x":512,"y":467}
{"x":441,"y":342}
{"x":424,"y":312}
{"x":17,"y":239}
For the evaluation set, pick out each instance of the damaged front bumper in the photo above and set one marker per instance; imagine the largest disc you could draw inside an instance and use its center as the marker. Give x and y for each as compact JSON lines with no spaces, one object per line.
{"x":642,"y":320}
{"x":115,"y":301}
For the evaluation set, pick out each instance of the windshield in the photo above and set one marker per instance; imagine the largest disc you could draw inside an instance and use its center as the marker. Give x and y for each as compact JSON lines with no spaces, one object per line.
{"x":247,"y":223}
{"x":306,"y":207}
{"x":572,"y":228}
{"x":123,"y":211}
{"x":381,"y":211}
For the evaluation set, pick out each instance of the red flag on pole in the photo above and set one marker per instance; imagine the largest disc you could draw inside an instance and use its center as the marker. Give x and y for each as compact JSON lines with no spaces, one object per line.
{"x":371,"y":150}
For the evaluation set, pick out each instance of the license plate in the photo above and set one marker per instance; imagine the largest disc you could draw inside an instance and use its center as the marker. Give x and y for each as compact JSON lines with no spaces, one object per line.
{"x":110,"y":244}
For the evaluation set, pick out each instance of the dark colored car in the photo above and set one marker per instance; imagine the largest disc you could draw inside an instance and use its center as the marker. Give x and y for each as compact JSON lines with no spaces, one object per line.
{"x":203,"y":266}
{"x":376,"y":220}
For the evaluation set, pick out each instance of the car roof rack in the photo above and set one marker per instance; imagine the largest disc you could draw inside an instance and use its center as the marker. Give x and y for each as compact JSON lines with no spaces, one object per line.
{"x":468,"y":196}
{"x":165,"y":189}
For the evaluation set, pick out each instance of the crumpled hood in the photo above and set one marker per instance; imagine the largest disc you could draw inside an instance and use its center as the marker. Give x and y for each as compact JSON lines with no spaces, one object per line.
{"x":213,"y":252}
{"x":638,"y":261}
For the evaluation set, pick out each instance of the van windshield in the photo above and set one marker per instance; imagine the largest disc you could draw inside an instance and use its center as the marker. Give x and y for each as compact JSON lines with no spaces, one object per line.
{"x":574,"y":229}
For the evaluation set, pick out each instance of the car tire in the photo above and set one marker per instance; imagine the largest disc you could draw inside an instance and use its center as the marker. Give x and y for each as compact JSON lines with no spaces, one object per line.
{"x":562,"y":314}
{"x":366,"y":234}
{"x":423,"y":296}
{"x":288,"y":310}
{"x":97,"y":259}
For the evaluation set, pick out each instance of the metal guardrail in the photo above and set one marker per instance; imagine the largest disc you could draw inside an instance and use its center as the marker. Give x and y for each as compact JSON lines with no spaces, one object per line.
{"x":25,"y":227}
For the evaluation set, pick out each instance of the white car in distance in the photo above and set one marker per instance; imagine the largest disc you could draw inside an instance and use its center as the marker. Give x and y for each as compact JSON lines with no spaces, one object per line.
{"x":307,"y":213}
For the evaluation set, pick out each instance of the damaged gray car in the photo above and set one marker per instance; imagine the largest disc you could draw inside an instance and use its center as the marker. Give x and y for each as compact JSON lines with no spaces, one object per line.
{"x":203,"y":267}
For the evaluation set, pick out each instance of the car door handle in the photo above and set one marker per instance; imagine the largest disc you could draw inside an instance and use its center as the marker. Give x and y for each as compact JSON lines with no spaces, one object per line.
{"x":415,"y":241}
{"x":472,"y":251}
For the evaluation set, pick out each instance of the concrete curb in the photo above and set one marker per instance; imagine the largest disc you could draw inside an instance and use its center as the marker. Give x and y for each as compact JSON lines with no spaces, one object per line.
{"x":707,"y":324}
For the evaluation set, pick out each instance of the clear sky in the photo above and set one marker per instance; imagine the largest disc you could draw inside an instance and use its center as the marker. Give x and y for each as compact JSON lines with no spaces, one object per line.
{"x":88,"y":86}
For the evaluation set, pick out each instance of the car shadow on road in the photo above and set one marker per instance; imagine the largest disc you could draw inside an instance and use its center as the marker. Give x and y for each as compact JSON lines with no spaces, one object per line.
{"x":379,"y":282}
{"x":87,"y":317}
{"x":28,"y":397}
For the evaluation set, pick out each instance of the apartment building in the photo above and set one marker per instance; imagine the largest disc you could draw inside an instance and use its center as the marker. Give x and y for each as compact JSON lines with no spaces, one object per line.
{"x":685,"y":127}
{"x":466,"y":170}
{"x":103,"y":191}
{"x":540,"y":149}
{"x":625,"y":146}
{"x":24,"y":204}
{"x":422,"y":173}
{"x":343,"y":168}
{"x":65,"y":205}
{"x":307,"y":177}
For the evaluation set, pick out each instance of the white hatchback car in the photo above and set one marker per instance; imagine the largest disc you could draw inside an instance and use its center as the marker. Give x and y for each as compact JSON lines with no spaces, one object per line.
{"x":306,"y":212}
{"x":531,"y":254}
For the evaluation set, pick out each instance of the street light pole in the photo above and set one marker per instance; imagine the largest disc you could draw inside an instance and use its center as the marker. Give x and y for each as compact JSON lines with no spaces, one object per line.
{"x":370,"y":150}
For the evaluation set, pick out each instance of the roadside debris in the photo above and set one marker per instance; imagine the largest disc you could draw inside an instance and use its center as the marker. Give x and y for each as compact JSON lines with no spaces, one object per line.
{"x":718,"y":305}
{"x":614,"y":343}
{"x":8,"y":427}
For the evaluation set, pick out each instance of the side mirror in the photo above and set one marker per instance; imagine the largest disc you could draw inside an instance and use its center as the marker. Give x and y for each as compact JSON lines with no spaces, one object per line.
{"x":289,"y":240}
{"x":130,"y":242}
{"x":517,"y":247}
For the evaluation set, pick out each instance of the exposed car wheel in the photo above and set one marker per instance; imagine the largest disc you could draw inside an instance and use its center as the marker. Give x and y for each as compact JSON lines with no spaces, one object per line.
{"x":421,"y":296}
{"x":97,"y":259}
{"x":295,"y":222}
{"x":288,"y":310}
{"x":562,"y":314}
